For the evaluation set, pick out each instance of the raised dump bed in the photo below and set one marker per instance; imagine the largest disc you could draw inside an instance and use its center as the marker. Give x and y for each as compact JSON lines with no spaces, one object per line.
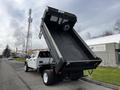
{"x":69,"y":51}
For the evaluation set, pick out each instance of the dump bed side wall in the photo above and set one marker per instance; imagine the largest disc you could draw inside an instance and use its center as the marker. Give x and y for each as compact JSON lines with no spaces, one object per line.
{"x":51,"y":44}
{"x":53,"y":48}
{"x":84,"y":45}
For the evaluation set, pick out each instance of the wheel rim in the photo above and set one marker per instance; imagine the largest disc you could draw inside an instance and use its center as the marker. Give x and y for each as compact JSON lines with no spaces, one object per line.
{"x":45,"y":77}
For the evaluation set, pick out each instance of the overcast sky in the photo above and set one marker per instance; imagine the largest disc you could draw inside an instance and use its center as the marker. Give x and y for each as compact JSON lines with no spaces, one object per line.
{"x":94,"y":16}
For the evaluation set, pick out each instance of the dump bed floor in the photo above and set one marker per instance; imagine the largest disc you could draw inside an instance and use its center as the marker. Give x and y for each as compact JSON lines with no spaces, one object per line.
{"x":68,"y":46}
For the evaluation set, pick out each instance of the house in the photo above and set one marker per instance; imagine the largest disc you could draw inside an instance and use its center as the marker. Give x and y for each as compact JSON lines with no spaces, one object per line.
{"x":107,"y":49}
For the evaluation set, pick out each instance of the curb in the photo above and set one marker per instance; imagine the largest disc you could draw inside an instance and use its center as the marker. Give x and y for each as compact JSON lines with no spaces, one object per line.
{"x":114,"y":87}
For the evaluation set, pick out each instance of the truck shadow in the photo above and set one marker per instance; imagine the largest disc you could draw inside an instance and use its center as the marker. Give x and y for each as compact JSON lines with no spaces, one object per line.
{"x":75,"y":85}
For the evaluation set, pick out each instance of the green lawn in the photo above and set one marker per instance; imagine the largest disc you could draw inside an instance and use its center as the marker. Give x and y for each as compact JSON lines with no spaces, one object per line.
{"x":106,"y":74}
{"x":20,"y":59}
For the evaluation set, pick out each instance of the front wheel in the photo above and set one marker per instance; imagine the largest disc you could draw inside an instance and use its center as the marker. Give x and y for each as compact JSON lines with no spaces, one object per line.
{"x":26,"y":68}
{"x":48,"y":77}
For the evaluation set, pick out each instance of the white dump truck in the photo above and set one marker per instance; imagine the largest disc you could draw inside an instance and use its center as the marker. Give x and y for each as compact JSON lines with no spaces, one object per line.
{"x":68,"y":54}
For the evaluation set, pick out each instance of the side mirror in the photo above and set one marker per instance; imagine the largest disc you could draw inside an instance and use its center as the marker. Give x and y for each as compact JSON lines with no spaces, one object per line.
{"x":32,"y":56}
{"x":28,"y":57}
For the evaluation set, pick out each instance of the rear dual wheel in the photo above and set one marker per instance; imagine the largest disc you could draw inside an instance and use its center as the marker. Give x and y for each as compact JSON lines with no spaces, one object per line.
{"x":48,"y":77}
{"x":76,"y":76}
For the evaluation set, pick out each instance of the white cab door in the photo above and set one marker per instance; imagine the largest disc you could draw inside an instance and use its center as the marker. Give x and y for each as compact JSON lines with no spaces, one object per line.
{"x":32,"y":62}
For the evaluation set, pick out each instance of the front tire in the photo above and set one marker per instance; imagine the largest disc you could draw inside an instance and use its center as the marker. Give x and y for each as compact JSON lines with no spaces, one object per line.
{"x":26,"y":68}
{"x":48,"y":77}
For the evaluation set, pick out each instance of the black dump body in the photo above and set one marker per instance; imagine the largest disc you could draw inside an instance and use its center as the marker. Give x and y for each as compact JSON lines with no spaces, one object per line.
{"x":66,"y":46}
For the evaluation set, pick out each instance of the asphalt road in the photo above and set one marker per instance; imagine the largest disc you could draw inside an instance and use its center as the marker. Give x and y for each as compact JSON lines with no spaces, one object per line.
{"x":13,"y":77}
{"x":9,"y":79}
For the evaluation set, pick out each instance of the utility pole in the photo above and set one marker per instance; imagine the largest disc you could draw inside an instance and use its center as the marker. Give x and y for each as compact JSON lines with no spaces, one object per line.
{"x":28,"y":33}
{"x":23,"y":47}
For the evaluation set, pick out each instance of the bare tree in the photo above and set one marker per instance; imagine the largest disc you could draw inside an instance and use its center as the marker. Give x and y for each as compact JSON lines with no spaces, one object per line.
{"x":19,"y":36}
{"x":117,"y":26}
{"x":107,"y":33}
{"x":88,"y":35}
{"x":7,"y":52}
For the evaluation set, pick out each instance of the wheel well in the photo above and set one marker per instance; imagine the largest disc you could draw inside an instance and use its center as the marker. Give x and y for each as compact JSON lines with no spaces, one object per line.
{"x":25,"y":62}
{"x":45,"y":67}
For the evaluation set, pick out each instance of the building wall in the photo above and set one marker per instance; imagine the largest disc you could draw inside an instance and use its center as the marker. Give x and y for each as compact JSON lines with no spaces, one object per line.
{"x":107,"y":53}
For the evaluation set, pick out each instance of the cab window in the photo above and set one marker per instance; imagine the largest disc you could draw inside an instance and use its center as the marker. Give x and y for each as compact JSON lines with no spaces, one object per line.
{"x":44,"y":54}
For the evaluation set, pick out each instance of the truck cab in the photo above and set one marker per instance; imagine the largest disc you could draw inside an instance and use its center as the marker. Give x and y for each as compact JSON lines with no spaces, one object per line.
{"x":38,"y":59}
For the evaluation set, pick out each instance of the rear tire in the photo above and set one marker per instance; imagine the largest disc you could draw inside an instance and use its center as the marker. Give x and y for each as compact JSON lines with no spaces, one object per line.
{"x":59,"y":78}
{"x":74,"y":78}
{"x":48,"y":77}
{"x":26,"y":68}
